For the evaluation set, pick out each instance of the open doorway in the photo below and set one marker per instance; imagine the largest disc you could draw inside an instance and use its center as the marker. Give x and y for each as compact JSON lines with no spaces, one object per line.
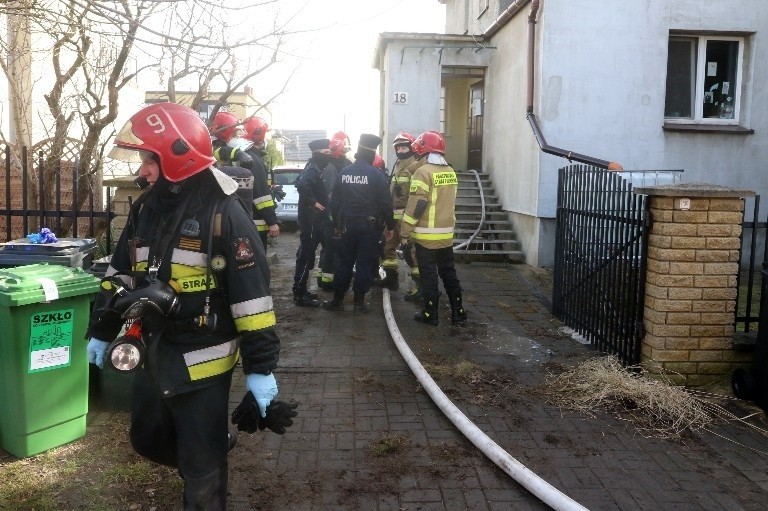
{"x":462,"y":115}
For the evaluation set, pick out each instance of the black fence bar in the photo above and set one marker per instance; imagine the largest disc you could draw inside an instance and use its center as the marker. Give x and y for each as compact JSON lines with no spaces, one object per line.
{"x":8,"y":187}
{"x":24,"y":178}
{"x":599,"y":275}
{"x":746,"y":284}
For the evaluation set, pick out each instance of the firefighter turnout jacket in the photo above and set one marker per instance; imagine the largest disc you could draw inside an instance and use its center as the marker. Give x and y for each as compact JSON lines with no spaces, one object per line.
{"x":429,"y":214}
{"x":183,"y":359}
{"x":400,"y":185}
{"x":263,"y":202}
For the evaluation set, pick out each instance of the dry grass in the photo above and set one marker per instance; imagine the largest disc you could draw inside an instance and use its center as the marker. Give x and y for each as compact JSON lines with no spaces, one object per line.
{"x":656,"y":408}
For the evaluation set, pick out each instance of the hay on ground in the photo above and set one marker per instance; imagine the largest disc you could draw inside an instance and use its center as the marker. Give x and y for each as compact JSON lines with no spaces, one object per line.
{"x":656,"y":408}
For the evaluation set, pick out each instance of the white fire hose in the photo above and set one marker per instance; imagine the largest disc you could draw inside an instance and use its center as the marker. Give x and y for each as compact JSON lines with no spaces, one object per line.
{"x":547,"y":493}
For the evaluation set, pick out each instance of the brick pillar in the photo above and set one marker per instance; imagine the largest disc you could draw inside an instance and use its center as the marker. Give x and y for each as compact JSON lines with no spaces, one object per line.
{"x":690,"y":290}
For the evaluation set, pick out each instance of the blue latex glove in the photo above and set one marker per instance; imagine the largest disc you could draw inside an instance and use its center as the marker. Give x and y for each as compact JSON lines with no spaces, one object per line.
{"x":97,"y":350}
{"x":263,"y":388}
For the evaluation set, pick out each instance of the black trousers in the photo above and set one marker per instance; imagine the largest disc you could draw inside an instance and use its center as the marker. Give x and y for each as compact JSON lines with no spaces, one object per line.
{"x":310,"y":236}
{"x":329,"y":254}
{"x":358,"y":250}
{"x":187,"y":431}
{"x":434,"y":263}
{"x":264,"y":235}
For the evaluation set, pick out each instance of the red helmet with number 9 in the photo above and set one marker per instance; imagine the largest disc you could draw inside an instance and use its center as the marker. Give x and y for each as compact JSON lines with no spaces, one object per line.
{"x":339,"y":144}
{"x":429,"y":142}
{"x":174,"y":133}
{"x":255,"y":129}
{"x":225,"y":126}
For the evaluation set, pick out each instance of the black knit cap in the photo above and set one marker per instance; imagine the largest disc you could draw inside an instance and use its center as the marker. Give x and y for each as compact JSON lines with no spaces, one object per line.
{"x":320,"y":144}
{"x":368,"y":141}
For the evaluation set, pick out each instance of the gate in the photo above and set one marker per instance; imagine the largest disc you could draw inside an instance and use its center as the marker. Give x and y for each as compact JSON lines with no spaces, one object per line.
{"x":600,"y":256}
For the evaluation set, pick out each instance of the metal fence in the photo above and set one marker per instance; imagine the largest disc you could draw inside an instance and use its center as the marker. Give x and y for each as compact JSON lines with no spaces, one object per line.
{"x":600,"y":254}
{"x":68,"y":209}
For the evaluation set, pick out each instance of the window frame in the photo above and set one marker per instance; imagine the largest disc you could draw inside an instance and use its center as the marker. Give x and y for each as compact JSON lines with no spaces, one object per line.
{"x":701,"y":64}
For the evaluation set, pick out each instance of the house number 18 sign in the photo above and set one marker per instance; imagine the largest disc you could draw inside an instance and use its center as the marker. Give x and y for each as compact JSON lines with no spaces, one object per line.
{"x":401,"y":98}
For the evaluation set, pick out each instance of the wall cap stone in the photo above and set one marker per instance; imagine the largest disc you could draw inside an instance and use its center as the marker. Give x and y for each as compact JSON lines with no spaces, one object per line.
{"x":693,"y":190}
{"x":121,"y":182}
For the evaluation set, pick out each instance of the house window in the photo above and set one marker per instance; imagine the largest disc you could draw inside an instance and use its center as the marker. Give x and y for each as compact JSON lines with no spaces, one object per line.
{"x":704,"y":79}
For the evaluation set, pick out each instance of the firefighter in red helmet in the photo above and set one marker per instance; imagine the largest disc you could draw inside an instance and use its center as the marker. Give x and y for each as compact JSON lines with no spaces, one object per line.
{"x":263,"y":201}
{"x":197,"y":295}
{"x":404,"y":168}
{"x":429,"y":219}
{"x":228,"y":143}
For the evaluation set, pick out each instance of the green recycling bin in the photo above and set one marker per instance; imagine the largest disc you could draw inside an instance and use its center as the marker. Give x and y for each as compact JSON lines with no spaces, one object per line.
{"x":44,"y":312}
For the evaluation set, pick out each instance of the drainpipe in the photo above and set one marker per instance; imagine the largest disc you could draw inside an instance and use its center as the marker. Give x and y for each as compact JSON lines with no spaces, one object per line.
{"x":543,"y":145}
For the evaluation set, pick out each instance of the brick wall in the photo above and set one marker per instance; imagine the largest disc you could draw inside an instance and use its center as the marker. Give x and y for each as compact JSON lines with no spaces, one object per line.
{"x":691,"y":282}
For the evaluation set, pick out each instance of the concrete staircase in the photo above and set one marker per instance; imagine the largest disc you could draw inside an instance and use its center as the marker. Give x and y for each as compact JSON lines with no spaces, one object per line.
{"x":496,"y":240}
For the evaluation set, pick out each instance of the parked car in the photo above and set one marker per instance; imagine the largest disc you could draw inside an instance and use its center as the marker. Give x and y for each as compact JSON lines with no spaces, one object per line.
{"x":287,"y":209}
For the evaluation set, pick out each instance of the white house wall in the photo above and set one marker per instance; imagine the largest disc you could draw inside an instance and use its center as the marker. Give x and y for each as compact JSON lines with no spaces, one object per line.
{"x":600,"y":80}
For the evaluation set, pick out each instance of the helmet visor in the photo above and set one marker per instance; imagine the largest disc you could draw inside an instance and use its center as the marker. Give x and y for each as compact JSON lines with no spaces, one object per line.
{"x":129,"y":154}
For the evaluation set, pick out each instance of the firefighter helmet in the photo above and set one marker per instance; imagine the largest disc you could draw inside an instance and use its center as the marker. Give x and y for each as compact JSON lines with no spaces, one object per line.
{"x":174,"y":133}
{"x":429,"y":142}
{"x":339,"y":144}
{"x":225,"y":126}
{"x":255,"y":129}
{"x":403,"y":138}
{"x":378,"y":161}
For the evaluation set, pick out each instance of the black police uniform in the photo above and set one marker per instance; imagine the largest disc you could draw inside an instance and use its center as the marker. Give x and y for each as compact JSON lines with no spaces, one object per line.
{"x":329,"y":257}
{"x":181,"y":394}
{"x":362,"y":206}
{"x":311,"y":223}
{"x":263,"y":202}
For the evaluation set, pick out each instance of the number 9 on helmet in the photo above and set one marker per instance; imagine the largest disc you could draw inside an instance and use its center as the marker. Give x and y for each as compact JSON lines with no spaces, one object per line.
{"x":175,"y":134}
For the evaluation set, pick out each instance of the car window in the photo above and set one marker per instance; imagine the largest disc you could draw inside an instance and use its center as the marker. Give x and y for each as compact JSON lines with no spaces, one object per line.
{"x":286,"y":178}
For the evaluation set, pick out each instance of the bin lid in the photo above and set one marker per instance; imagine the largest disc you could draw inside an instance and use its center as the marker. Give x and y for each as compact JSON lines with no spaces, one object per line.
{"x":64,"y":246}
{"x":44,"y":282}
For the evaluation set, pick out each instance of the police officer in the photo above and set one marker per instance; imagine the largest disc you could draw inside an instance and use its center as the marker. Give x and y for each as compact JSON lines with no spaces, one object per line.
{"x":263,"y":203}
{"x":429,"y":219}
{"x":187,"y":233}
{"x":399,"y":185}
{"x":312,"y":220}
{"x":226,"y":130}
{"x":361,"y":206}
{"x":329,"y":258}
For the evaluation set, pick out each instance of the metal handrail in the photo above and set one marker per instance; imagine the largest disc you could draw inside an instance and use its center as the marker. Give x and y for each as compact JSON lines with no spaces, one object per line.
{"x":482,"y":213}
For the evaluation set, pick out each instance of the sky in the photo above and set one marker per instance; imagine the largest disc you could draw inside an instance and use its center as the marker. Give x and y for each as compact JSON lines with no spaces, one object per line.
{"x":335,"y":87}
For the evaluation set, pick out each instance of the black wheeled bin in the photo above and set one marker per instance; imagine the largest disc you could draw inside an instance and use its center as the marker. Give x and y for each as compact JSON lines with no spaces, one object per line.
{"x":44,"y":311}
{"x":74,"y":252}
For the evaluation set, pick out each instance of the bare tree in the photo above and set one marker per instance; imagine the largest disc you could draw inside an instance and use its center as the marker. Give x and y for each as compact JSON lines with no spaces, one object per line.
{"x":90,"y":51}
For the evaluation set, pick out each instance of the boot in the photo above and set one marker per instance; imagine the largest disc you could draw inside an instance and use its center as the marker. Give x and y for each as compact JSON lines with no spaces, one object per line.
{"x":335,"y":304}
{"x":414,"y":295}
{"x":428,"y":315}
{"x":458,"y":314}
{"x":304,"y":298}
{"x":360,"y":306}
{"x":391,"y":281}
